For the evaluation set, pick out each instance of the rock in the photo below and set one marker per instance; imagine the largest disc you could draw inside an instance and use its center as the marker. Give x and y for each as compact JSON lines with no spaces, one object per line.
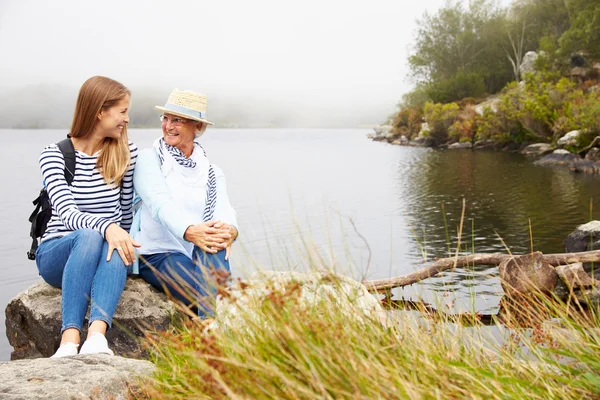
{"x":78,"y":377}
{"x":585,"y":237}
{"x":561,"y":151}
{"x":491,"y":103}
{"x":537,"y":149}
{"x":579,"y":73}
{"x":383,"y":130}
{"x":247,"y":299}
{"x":33,"y":320}
{"x":461,"y":145}
{"x":422,"y":142}
{"x":585,"y":166}
{"x":486,"y":145}
{"x":591,"y":297}
{"x":528,"y":63}
{"x":593,"y":154}
{"x":423,"y":131}
{"x":370,"y":135}
{"x":575,"y":278}
{"x":569,"y":139}
{"x":528,"y":273}
{"x":558,"y":158}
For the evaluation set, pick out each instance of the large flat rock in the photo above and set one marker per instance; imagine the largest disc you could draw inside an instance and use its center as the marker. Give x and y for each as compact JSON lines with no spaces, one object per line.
{"x":33,"y":320}
{"x":78,"y":377}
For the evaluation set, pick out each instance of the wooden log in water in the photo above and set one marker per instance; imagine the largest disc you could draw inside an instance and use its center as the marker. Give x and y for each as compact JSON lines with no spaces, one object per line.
{"x":444,"y":264}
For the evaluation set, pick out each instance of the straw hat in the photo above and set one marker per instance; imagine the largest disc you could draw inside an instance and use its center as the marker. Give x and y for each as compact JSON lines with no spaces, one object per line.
{"x":186,"y":104}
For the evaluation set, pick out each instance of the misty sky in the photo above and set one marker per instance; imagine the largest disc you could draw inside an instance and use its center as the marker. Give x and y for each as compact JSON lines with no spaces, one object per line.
{"x":309,"y":55}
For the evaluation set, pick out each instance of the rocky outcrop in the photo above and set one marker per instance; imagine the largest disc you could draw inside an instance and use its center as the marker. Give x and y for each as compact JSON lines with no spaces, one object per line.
{"x":585,"y":237}
{"x":528,"y":63}
{"x":569,"y":139}
{"x":537,"y":149}
{"x":528,"y":273}
{"x":461,"y":145}
{"x":593,"y":154}
{"x":33,"y":320}
{"x":78,"y":377}
{"x":348,"y":295}
{"x":558,"y":157}
{"x":383,"y":130}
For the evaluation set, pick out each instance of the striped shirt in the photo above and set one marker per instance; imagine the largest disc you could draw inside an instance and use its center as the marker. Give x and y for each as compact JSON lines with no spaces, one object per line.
{"x":89,"y":202}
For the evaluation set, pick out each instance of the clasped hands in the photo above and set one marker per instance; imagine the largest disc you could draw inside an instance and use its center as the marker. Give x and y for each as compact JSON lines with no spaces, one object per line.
{"x":212,"y":236}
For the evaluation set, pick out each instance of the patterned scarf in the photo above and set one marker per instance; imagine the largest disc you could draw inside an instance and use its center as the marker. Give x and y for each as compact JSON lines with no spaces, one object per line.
{"x":163,"y":149}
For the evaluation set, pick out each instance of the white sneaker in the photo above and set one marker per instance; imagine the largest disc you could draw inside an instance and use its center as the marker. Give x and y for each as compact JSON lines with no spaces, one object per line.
{"x":67,"y":349}
{"x":96,"y":344}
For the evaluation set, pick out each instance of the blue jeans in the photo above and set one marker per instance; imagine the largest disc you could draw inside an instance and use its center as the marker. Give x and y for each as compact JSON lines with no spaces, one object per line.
{"x":77,"y":264}
{"x":190,"y":281}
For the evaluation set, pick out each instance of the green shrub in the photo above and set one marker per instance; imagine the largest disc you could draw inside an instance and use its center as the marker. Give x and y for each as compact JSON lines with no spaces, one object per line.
{"x":464,"y":127}
{"x":463,"y":84}
{"x":440,"y":118}
{"x":407,"y":122}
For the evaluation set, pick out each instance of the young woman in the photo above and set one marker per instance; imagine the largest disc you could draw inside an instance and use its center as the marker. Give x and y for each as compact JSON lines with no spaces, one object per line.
{"x":91,"y":218}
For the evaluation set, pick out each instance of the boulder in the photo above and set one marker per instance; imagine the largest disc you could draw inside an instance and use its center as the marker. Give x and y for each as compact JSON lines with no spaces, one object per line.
{"x":593,"y":154}
{"x":537,"y":149}
{"x":585,"y":237}
{"x":247,"y":298}
{"x":585,"y":166}
{"x":33,"y":320}
{"x":558,"y":157}
{"x":383,"y":130}
{"x":528,"y":273}
{"x":575,"y":278}
{"x":491,"y":103}
{"x":569,"y":139}
{"x":79,"y":377}
{"x":461,"y":145}
{"x":528,"y":63}
{"x":424,"y":130}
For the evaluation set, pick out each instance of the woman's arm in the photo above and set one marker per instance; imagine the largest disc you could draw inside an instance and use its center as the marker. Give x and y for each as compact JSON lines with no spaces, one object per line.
{"x":52,"y":165}
{"x":150,"y":185}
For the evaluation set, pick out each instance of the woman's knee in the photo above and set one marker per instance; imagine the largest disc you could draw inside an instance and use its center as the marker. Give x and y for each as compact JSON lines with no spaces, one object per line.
{"x":89,"y":238}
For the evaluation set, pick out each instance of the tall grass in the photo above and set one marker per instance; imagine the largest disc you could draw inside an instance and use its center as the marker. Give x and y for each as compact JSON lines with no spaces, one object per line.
{"x":282,"y":347}
{"x":315,"y":351}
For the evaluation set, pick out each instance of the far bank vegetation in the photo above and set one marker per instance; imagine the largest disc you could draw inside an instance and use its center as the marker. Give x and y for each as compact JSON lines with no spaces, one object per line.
{"x":507,"y":76}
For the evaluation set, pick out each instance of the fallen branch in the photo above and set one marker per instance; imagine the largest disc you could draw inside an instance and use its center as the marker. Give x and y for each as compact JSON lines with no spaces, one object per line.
{"x":583,"y":151}
{"x":443,"y":264}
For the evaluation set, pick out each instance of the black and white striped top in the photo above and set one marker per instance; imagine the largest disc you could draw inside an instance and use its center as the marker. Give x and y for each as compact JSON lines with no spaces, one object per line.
{"x":89,"y":202}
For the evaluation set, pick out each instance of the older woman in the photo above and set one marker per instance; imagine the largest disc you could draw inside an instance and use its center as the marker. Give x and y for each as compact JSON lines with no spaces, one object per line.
{"x":186,"y":224}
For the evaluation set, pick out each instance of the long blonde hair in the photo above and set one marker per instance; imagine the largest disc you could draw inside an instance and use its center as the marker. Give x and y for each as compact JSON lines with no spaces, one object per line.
{"x":96,"y":94}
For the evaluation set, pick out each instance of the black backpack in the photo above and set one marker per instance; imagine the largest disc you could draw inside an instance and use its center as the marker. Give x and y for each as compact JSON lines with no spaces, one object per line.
{"x":43,"y":208}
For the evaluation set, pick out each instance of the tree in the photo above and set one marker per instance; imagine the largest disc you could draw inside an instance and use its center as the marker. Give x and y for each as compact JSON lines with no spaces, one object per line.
{"x":463,"y":41}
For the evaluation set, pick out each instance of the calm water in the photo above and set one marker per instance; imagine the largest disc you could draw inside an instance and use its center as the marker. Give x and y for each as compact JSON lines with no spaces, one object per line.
{"x":335,"y":198}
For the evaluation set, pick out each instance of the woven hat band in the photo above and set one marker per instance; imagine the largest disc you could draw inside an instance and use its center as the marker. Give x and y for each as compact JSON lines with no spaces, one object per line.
{"x":185,"y":110}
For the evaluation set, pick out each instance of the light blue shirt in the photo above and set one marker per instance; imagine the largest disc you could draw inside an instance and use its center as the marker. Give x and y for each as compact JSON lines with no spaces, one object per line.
{"x":166,"y":206}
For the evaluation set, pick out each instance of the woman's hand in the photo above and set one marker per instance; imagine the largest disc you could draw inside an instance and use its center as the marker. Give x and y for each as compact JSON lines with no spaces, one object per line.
{"x":209,"y":236}
{"x":118,"y":239}
{"x":232,"y":230}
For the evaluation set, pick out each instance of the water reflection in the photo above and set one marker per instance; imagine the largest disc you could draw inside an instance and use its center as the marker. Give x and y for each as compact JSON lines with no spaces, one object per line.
{"x":508,"y":200}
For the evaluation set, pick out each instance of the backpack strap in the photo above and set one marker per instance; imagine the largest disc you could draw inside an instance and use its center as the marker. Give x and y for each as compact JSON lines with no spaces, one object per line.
{"x":66,"y":148}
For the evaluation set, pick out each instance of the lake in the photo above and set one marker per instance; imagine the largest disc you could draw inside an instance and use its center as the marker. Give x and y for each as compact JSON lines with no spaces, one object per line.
{"x":333,"y":198}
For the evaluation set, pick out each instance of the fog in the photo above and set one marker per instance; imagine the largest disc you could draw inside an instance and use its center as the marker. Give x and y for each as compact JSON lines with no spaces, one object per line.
{"x":261,"y":63}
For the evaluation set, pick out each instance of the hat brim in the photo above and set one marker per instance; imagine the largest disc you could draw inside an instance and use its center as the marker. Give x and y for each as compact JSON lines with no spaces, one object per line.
{"x":167,"y":111}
